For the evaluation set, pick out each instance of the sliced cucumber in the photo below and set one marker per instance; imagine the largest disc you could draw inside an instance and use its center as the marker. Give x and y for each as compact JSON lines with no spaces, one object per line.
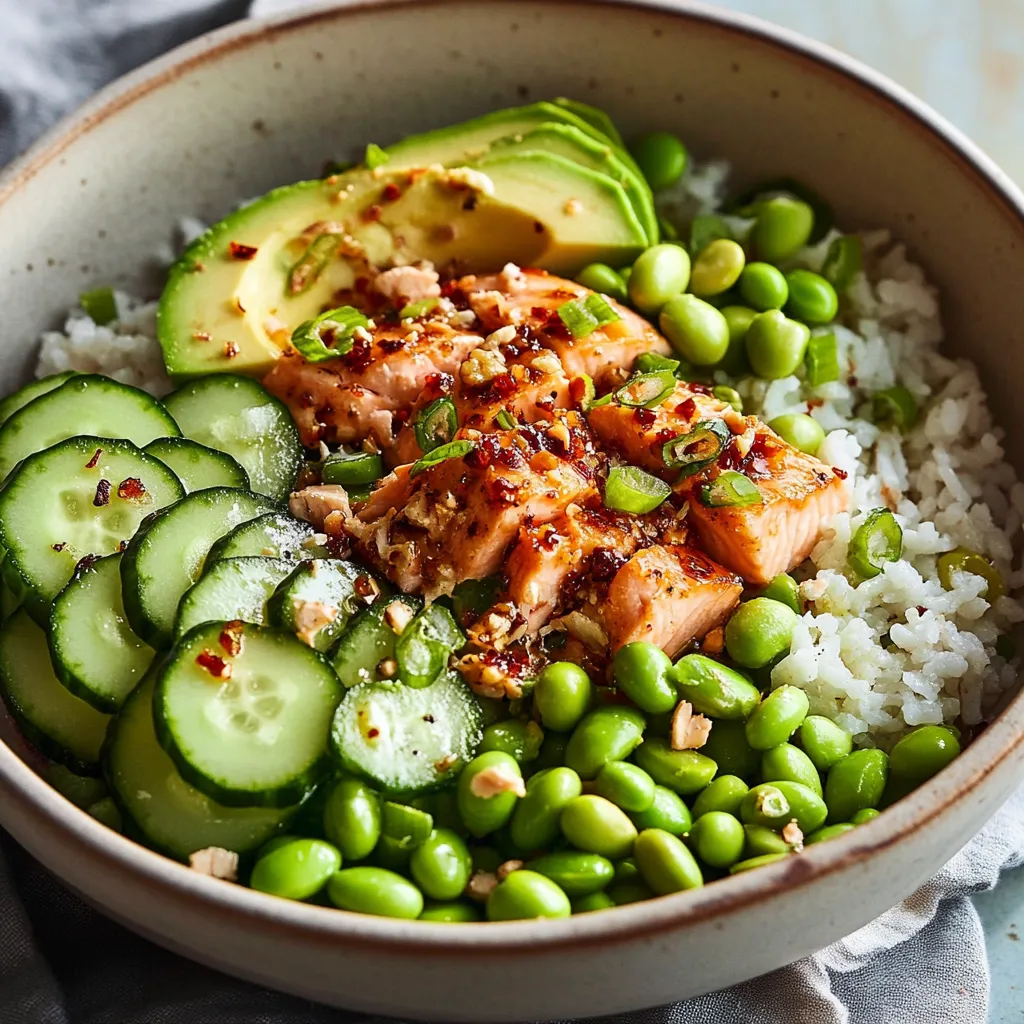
{"x":247,"y":728}
{"x":63,"y":727}
{"x":84,"y":404}
{"x":172,"y":815}
{"x":93,"y":649}
{"x":317,"y":601}
{"x":236,"y":415}
{"x":235,"y":588}
{"x":82,"y":790}
{"x":407,"y":740}
{"x":425,"y":646}
{"x":84,"y":496}
{"x":12,"y":403}
{"x":371,"y":640}
{"x":196,"y":466}
{"x":166,"y":557}
{"x":275,"y":534}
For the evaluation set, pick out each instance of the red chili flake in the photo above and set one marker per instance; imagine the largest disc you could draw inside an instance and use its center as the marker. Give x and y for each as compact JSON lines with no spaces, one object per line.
{"x":91,"y":464}
{"x":538,"y":227}
{"x":478,"y":458}
{"x":202,"y":336}
{"x":391,"y":345}
{"x":851,"y":381}
{"x":373,"y":213}
{"x":231,"y":638}
{"x":86,"y":562}
{"x":391,"y":192}
{"x":841,"y":473}
{"x":231,"y":349}
{"x":686,"y":408}
{"x":643,"y":417}
{"x":698,"y":389}
{"x":470,"y":203}
{"x":131,"y":489}
{"x":102,"y":495}
{"x":239,"y":251}
{"x":373,"y":732}
{"x":214,"y":664}
{"x":362,"y":283}
{"x":59,"y":546}
{"x":197,"y":268}
{"x":122,"y":545}
{"x":605,"y":563}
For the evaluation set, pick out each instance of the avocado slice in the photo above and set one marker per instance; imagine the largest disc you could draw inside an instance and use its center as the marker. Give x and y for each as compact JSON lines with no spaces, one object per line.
{"x":594,"y":116}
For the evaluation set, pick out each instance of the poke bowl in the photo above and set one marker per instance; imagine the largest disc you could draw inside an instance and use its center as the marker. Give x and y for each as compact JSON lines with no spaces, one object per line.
{"x":504,"y":516}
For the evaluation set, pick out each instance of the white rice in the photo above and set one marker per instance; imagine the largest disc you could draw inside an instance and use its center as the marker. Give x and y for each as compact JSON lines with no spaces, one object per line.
{"x":888,"y":653}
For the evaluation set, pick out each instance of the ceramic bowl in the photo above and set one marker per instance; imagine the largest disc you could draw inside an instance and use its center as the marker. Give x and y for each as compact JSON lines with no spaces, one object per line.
{"x":267,"y":102}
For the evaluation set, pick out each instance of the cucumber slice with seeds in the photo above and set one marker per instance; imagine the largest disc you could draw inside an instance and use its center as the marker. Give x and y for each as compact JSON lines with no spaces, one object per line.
{"x":236,"y":588}
{"x":237,"y":415}
{"x":407,"y":740}
{"x":245,"y":714}
{"x":64,"y":728}
{"x":372,"y":638}
{"x":35,"y":389}
{"x":424,"y":648}
{"x":196,"y":466}
{"x":93,"y":649}
{"x":317,"y":601}
{"x":173,"y":816}
{"x":85,"y":404}
{"x":85,"y":496}
{"x":275,"y":535}
{"x":166,"y":557}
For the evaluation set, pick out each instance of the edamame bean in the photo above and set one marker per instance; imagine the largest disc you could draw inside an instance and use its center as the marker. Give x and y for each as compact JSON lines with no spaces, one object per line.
{"x":661,"y":156}
{"x":273,"y":844}
{"x":626,"y":785}
{"x":704,"y":229}
{"x":624,"y":893}
{"x":729,"y":395}
{"x":803,"y":432}
{"x":727,"y":746}
{"x":665,"y":862}
{"x":605,"y":734}
{"x":595,"y":901}
{"x":487,"y":791}
{"x":552,"y":752}
{"x":521,"y":739}
{"x":828,"y":832}
{"x":717,"y":838}
{"x":713,"y":688}
{"x":776,"y":804}
{"x":485,"y":858}
{"x":725,"y":793}
{"x":864,"y":816}
{"x":922,"y":753}
{"x":391,"y":854}
{"x":576,"y":873}
{"x":659,"y":273}
{"x":351,"y":818}
{"x":763,"y":287}
{"x":738,"y":319}
{"x":759,"y":631}
{"x":697,"y":331}
{"x":641,"y":672}
{"x":561,"y":695}
{"x":785,"y":589}
{"x":824,"y":741}
{"x":856,"y":782}
{"x":372,"y":890}
{"x":786,"y":762}
{"x":757,"y":862}
{"x":442,"y":865}
{"x":775,"y":345}
{"x":717,"y":268}
{"x":667,"y":812}
{"x":452,"y":912}
{"x":626,"y":870}
{"x":811,"y":298}
{"x":406,"y":825}
{"x":599,"y":277}
{"x":526,"y":894}
{"x":534,"y":824}
{"x":784,"y":225}
{"x":762,"y":841}
{"x":682,"y":771}
{"x":777,"y":717}
{"x":296,"y":870}
{"x":596,"y":825}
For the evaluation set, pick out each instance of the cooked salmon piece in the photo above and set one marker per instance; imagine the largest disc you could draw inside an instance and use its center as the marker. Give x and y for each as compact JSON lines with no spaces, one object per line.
{"x":668,"y":596}
{"x":528,"y":301}
{"x":455,"y":520}
{"x":799,"y":494}
{"x":357,"y":395}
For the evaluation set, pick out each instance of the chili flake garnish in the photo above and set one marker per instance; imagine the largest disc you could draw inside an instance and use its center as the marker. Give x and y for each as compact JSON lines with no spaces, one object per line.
{"x":91,"y":464}
{"x":86,"y":562}
{"x":841,"y":473}
{"x":214,"y":664}
{"x":132,"y":489}
{"x":231,"y":638}
{"x":241,"y":252}
{"x":231,"y":349}
{"x":102,"y":495}
{"x":60,"y":545}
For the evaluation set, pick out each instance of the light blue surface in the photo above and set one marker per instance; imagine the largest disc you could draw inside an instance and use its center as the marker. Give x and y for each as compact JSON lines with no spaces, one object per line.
{"x":1002,"y":911}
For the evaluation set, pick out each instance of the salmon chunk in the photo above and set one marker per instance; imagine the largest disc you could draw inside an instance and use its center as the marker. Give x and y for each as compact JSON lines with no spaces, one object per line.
{"x":455,"y":520}
{"x":799,"y":494}
{"x":668,"y":596}
{"x":528,"y":300}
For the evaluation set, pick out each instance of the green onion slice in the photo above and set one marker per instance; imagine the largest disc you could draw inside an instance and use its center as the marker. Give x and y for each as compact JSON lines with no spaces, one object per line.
{"x":451,"y":450}
{"x":697,"y":448}
{"x":822,"y":359}
{"x":652,"y":362}
{"x":843,"y":262}
{"x":646,"y":391}
{"x":729,"y":395}
{"x":421,"y":308}
{"x":964,"y":560}
{"x":436,"y":424}
{"x":630,"y":489}
{"x":352,"y":469}
{"x":730,"y":490}
{"x":99,"y":305}
{"x":879,"y":539}
{"x":582,"y":318}
{"x":310,"y":265}
{"x":375,"y":157}
{"x":603,"y":400}
{"x":895,"y":407}
{"x":585,"y":400}
{"x":504,"y":420}
{"x":329,"y":335}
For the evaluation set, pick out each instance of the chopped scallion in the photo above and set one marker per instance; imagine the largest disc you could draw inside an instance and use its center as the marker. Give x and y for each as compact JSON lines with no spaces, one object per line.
{"x":603,"y":400}
{"x":963,"y":560}
{"x":697,"y":448}
{"x":310,"y":265}
{"x":436,"y":424}
{"x":651,"y":362}
{"x":895,"y":407}
{"x":843,"y":262}
{"x":451,"y":450}
{"x":504,"y":420}
{"x":647,"y":390}
{"x":729,"y":395}
{"x":630,"y":489}
{"x":375,"y":157}
{"x":730,"y":490}
{"x":352,"y":469}
{"x":822,"y":360}
{"x":584,"y":317}
{"x":879,"y":539}
{"x":582,"y":391}
{"x":421,"y":308}
{"x":99,"y":305}
{"x":329,"y":335}
{"x":600,"y":309}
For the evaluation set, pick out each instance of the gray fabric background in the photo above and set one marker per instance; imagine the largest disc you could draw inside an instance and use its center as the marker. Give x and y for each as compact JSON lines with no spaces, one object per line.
{"x":62,"y":963}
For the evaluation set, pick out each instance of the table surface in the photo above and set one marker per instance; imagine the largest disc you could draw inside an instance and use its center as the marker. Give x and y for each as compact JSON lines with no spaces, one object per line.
{"x":968,"y":63}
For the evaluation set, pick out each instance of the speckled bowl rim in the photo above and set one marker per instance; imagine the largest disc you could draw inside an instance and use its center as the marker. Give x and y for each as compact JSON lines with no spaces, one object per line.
{"x":338,"y":928}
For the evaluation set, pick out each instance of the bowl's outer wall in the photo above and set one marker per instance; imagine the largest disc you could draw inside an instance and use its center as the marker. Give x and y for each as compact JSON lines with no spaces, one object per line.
{"x":274,"y":109}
